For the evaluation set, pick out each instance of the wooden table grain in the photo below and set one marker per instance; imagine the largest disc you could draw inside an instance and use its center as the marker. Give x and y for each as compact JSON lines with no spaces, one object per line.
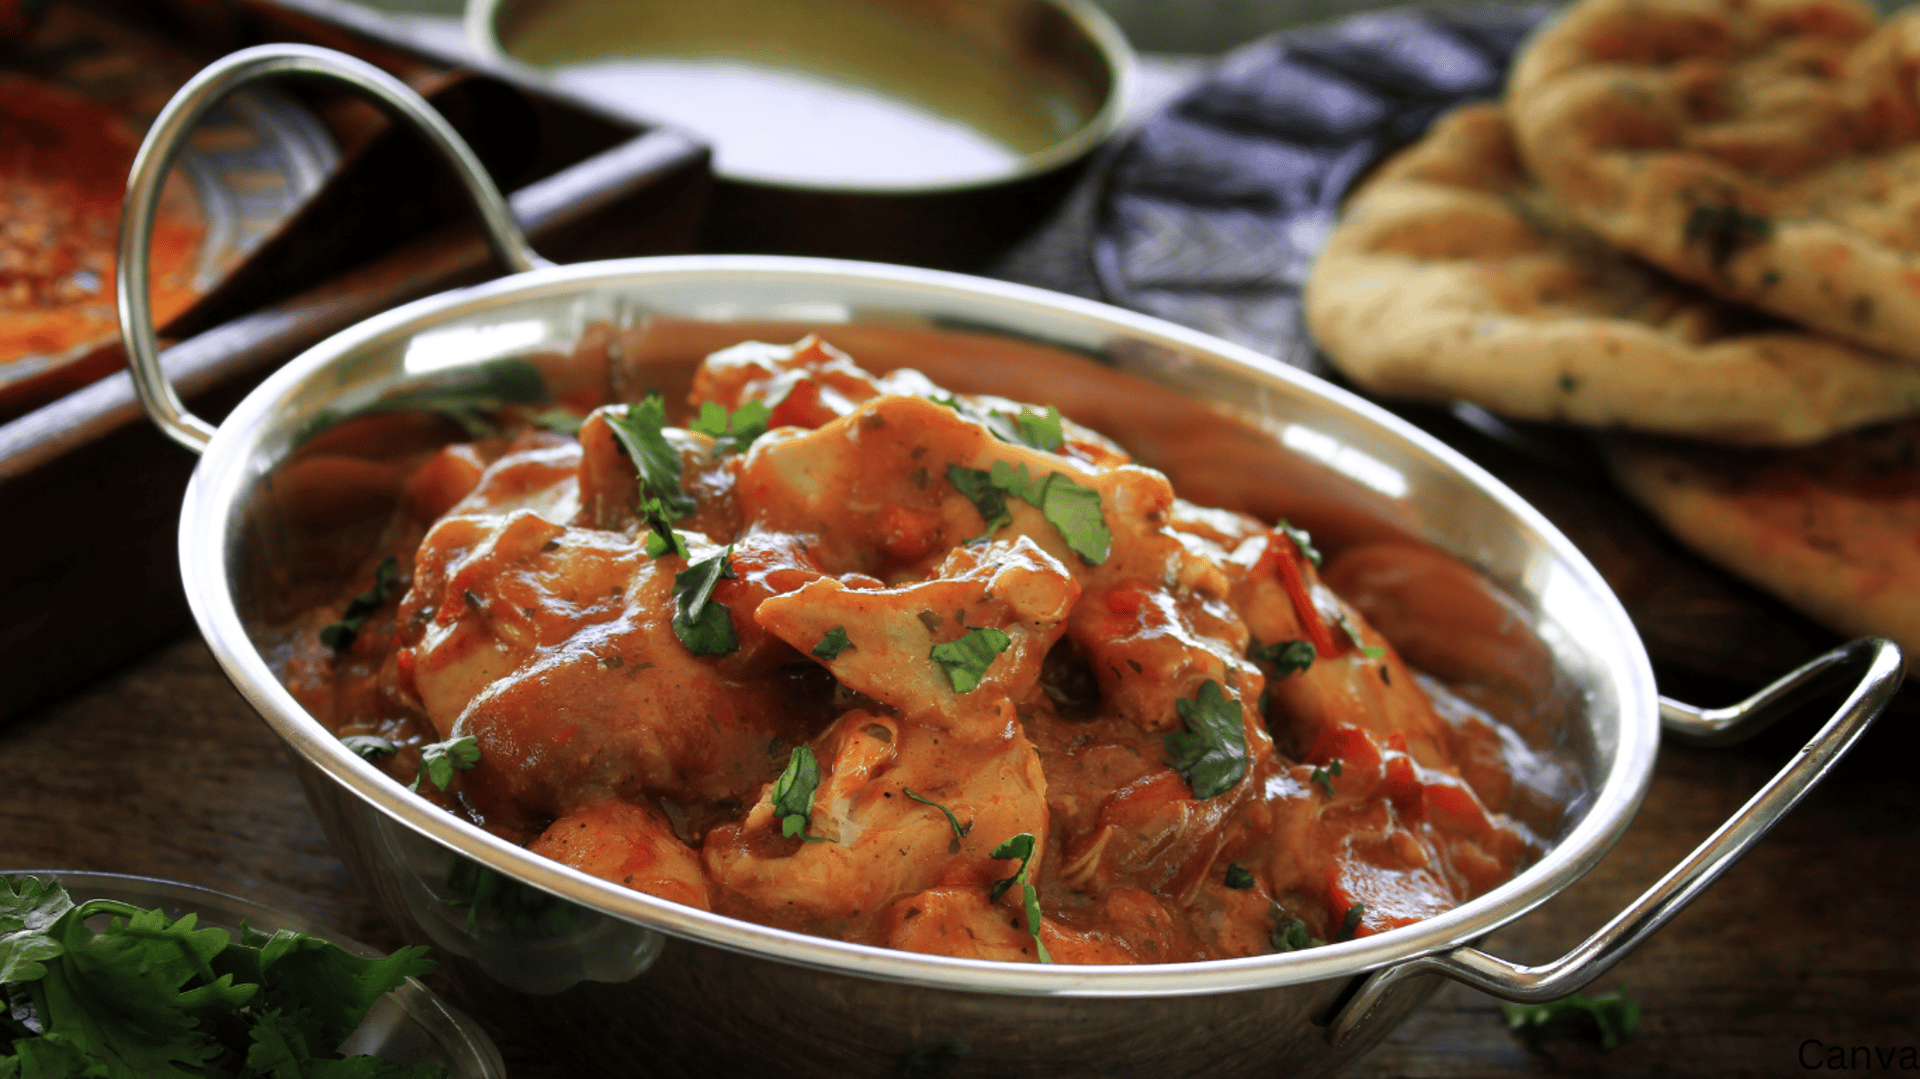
{"x":1812,"y":942}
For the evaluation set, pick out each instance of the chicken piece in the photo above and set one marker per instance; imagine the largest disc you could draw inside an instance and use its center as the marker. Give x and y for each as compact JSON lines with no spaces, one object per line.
{"x":554,"y":648}
{"x":963,"y":923}
{"x":874,"y":491}
{"x":806,"y":384}
{"x":1013,"y":587}
{"x":628,"y":844}
{"x":610,"y":492}
{"x":875,"y":843}
{"x":1344,"y":684}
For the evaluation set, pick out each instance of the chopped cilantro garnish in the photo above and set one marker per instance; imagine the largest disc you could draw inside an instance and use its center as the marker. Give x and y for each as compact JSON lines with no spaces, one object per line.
{"x":1212,"y":752}
{"x":1021,"y":847}
{"x":705,"y":627}
{"x":959,"y":830}
{"x":1042,"y":432}
{"x":1324,"y":776}
{"x":339,"y":635}
{"x":554,"y":418}
{"x":1072,"y":509}
{"x":151,"y":996}
{"x":1238,"y":879}
{"x":732,"y":434}
{"x":1293,"y":936}
{"x":1351,"y":923}
{"x":1371,"y":651}
{"x":1301,"y":540}
{"x":369,"y":746}
{"x":1286,"y":656}
{"x":662,"y":538}
{"x":1612,"y":1017}
{"x":439,"y":759}
{"x":793,"y":794}
{"x":966,"y":659}
{"x":977,"y":485}
{"x":640,"y":427}
{"x":832,"y":643}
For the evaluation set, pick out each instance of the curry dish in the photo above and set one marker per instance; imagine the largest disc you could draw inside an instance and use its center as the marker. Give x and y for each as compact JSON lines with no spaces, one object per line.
{"x":860,"y":658}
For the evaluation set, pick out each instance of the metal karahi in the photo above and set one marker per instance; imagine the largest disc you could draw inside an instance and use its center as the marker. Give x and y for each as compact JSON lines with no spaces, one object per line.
{"x":628,"y":983}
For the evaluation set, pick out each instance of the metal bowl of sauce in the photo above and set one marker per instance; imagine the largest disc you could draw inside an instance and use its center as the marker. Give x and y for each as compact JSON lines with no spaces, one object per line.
{"x":629,"y":982}
{"x":845,"y":127}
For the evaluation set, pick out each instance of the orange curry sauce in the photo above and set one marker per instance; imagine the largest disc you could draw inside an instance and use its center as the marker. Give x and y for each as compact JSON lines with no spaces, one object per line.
{"x":63,"y":171}
{"x":531,"y":618}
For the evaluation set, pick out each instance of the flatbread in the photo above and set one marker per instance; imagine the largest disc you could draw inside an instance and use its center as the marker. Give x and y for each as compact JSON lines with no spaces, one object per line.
{"x":1453,"y":274}
{"x":1833,"y":529}
{"x":1767,"y":150}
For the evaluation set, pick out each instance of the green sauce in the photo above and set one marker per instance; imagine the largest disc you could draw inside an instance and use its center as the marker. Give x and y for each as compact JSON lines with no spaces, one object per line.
{"x":830,"y":92}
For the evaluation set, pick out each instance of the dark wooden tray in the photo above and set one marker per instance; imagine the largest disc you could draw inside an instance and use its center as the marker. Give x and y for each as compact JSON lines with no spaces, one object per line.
{"x":91,"y":568}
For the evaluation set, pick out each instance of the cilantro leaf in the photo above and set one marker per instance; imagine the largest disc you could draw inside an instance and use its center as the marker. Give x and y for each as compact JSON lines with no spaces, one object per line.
{"x":959,"y":830}
{"x":1042,"y":432}
{"x":1300,"y":539}
{"x":149,"y":997}
{"x":793,"y":794}
{"x":563,"y":420}
{"x":966,"y":659}
{"x":369,"y":746}
{"x":1371,"y":651}
{"x":1286,"y":656}
{"x":28,"y":907}
{"x":1612,"y":1017}
{"x":1293,"y":936}
{"x":732,"y":434}
{"x":977,"y":485}
{"x":1021,"y":847}
{"x":1238,"y":879}
{"x":640,"y":429}
{"x":319,"y":988}
{"x":1212,"y":752}
{"x":1072,"y":509}
{"x":339,"y":635}
{"x":527,"y":913}
{"x":705,"y":627}
{"x":1351,"y":923}
{"x":469,"y":397}
{"x":1324,"y":776}
{"x":438,"y":760}
{"x":662,"y":539}
{"x":832,"y":643}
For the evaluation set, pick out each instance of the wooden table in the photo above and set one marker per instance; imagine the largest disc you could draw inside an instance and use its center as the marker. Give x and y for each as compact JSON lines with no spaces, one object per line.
{"x":162,"y":770}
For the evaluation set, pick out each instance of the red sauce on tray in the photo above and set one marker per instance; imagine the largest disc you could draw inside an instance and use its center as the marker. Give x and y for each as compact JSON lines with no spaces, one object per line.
{"x":63,"y":172}
{"x":986,"y":687}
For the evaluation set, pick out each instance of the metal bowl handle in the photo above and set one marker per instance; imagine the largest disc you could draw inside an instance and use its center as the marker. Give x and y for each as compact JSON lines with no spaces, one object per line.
{"x":170,"y":131}
{"x":1882,"y":662}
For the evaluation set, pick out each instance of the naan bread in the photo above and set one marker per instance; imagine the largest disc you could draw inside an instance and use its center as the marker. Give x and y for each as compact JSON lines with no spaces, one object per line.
{"x":1453,"y":274}
{"x":1833,"y":529}
{"x":1767,"y":150}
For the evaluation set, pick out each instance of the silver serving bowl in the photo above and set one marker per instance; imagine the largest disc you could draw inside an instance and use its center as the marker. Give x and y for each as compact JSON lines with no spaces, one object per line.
{"x":631,"y":983}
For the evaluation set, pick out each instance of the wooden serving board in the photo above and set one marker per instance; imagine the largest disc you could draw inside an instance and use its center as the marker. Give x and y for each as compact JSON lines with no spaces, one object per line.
{"x":92,"y":570}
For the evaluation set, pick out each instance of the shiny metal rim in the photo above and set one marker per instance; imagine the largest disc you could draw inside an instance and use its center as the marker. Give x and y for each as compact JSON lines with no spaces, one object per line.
{"x":220,"y":485}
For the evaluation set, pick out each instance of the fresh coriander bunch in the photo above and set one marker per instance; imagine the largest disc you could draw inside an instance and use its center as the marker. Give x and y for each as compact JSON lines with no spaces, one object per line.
{"x":148,"y":997}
